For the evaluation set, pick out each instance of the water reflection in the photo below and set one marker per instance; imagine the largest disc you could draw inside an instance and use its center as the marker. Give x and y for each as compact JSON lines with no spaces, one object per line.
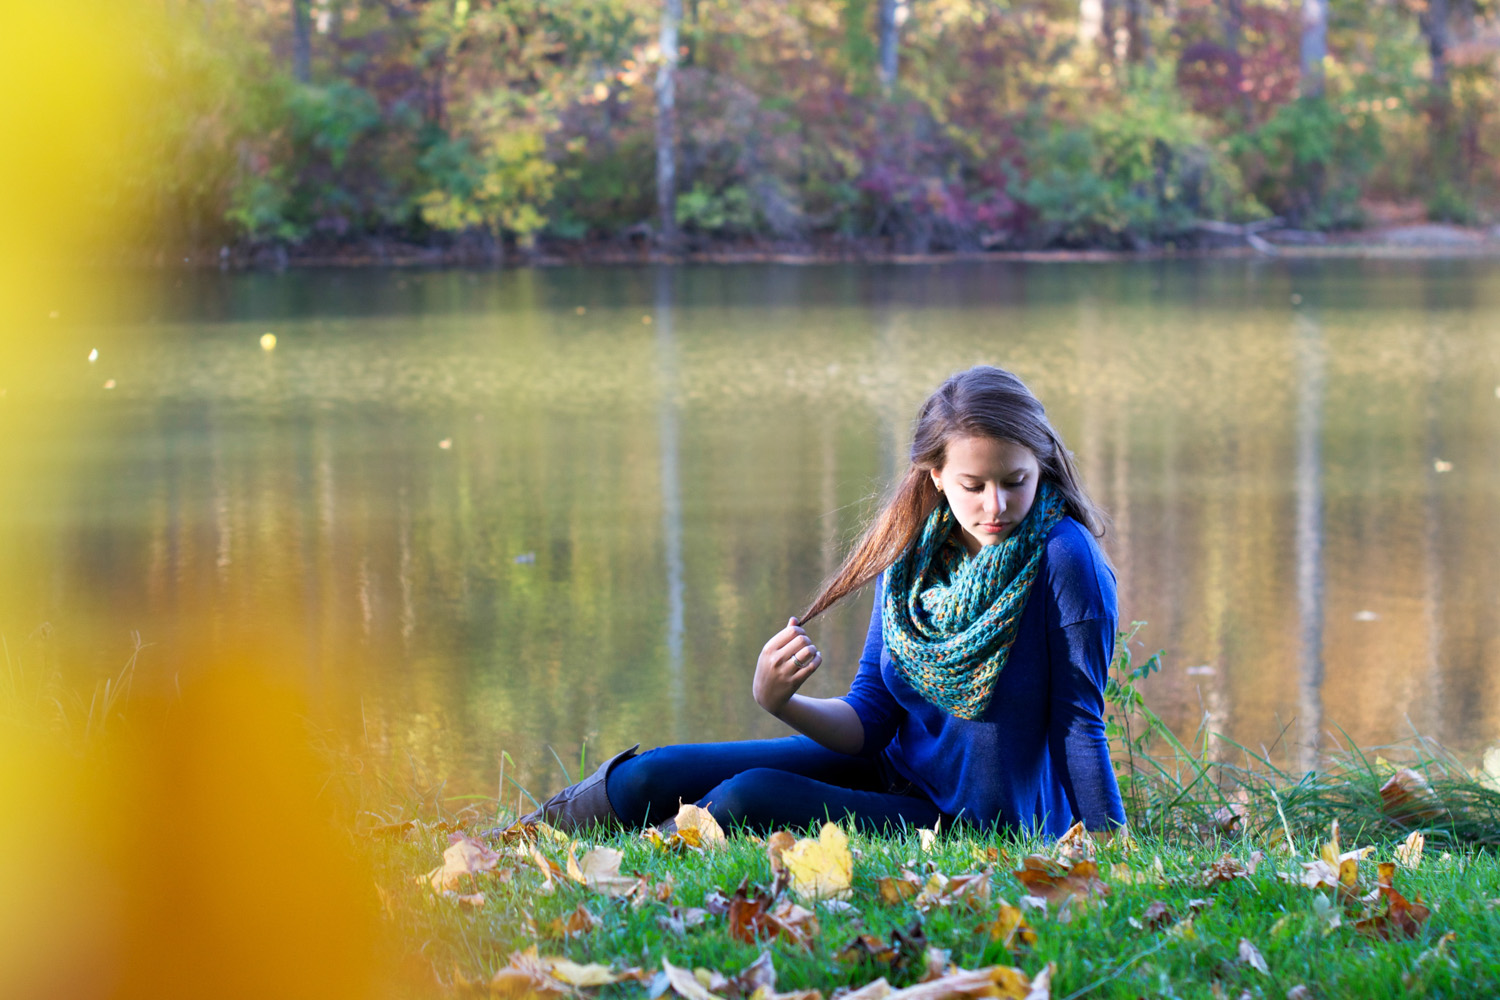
{"x":625,"y":510}
{"x":1309,"y":536}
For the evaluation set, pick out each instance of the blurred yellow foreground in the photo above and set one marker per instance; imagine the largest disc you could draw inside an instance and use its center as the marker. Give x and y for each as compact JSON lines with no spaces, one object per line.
{"x":190,"y":853}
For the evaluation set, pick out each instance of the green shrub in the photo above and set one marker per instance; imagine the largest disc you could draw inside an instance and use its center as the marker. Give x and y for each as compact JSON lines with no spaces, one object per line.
{"x":1307,"y":161}
{"x":1141,"y":171}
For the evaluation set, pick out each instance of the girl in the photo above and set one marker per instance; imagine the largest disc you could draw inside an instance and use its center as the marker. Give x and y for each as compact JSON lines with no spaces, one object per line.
{"x":980,"y":691}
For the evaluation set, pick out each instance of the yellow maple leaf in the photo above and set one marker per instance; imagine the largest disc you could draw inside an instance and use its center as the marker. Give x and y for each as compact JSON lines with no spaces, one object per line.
{"x":822,"y":868}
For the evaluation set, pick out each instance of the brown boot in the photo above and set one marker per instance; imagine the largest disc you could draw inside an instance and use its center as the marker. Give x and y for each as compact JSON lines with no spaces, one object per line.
{"x":583,"y":805}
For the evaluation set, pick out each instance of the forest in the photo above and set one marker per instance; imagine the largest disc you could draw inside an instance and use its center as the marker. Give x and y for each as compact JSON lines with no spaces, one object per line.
{"x":488,"y":129}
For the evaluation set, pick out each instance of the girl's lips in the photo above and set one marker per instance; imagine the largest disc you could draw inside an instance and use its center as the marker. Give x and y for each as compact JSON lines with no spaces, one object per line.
{"x":995,"y":527}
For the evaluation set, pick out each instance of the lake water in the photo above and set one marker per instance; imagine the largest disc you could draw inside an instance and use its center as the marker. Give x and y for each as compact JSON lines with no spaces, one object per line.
{"x":486,"y":511}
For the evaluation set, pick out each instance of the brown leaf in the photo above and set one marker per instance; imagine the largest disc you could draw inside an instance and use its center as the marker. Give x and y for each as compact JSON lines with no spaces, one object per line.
{"x":1056,"y":883}
{"x":1226,"y":819}
{"x":754,"y":918}
{"x":1009,"y":927}
{"x":580,"y":921}
{"x":1156,"y":916}
{"x":1228,"y":868}
{"x":776,"y":845}
{"x":474,"y":899}
{"x":894,"y":891}
{"x":1407,"y":798}
{"x":1401,"y":918}
{"x":463,"y":859}
{"x":905,"y":949}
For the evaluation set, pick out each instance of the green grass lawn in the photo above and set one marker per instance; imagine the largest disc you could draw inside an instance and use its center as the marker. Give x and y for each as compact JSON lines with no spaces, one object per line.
{"x":1161,"y":924}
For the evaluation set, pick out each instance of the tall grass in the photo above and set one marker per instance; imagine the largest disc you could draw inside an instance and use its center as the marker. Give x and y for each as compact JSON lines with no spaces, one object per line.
{"x":1188,"y":791}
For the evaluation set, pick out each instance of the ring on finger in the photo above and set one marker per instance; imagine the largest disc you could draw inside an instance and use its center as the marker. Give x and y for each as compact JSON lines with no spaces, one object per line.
{"x":797,"y":659}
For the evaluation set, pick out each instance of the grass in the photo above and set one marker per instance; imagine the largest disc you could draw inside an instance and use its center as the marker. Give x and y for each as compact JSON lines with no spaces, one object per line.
{"x":1187,"y":809}
{"x":1107,"y":949}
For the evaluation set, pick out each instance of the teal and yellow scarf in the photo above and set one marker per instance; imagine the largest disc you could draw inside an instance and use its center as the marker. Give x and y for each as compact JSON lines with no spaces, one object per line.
{"x":950,"y":618}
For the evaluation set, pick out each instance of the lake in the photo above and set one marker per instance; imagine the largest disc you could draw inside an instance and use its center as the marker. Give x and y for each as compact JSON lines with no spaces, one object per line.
{"x":486,"y":511}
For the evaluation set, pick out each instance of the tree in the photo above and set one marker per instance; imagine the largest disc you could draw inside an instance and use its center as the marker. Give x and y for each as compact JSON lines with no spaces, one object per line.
{"x":1314,"y":46}
{"x":301,"y":41}
{"x":666,"y":122}
{"x":1138,"y":44}
{"x":891,"y":16}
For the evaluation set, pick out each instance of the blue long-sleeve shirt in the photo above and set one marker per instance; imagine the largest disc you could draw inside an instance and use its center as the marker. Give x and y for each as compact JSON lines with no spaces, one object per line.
{"x":1037,"y":759}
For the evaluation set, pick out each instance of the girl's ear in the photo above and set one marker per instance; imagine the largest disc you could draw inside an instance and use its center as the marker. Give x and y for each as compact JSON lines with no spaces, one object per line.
{"x":935,"y":480}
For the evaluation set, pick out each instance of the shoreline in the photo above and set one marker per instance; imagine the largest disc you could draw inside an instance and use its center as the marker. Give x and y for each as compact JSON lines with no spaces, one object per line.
{"x":1411,"y":242}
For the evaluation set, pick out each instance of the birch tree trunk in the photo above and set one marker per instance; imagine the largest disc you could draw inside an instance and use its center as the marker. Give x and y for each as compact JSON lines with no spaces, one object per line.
{"x":1314,"y":46}
{"x":302,"y":40}
{"x":666,"y":123}
{"x":890,"y":33}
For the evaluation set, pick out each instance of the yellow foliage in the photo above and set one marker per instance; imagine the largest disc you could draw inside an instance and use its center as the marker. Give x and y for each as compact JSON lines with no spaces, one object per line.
{"x":822,"y":868}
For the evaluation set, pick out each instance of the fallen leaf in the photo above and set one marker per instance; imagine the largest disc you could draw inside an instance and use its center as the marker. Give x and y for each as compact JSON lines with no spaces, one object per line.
{"x":926,"y":840}
{"x":575,"y":974}
{"x":1401,"y":917}
{"x":897,"y":890}
{"x":1126,"y":874}
{"x":599,"y":869}
{"x":1439,"y":951}
{"x":692,"y":818}
{"x":1056,"y":883}
{"x":1409,"y":854}
{"x":474,"y":899}
{"x":1156,"y":916}
{"x":757,"y":976}
{"x":1251,"y":956}
{"x":1407,"y":797}
{"x":971,"y":890}
{"x":1076,"y":844}
{"x":685,"y":984}
{"x":1009,"y":927}
{"x":464,"y":859}
{"x":580,"y":921}
{"x":1298,"y":992}
{"x":777,"y":845}
{"x":756,"y":917}
{"x":1228,"y":868}
{"x":822,"y":868}
{"x":1226,"y":819}
{"x":905,"y":949}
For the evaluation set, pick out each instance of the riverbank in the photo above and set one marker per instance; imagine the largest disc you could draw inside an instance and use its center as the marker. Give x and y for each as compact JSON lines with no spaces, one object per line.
{"x":1408,"y":241}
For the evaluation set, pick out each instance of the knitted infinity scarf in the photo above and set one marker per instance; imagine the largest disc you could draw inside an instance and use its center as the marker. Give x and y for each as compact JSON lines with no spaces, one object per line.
{"x":950,"y":618}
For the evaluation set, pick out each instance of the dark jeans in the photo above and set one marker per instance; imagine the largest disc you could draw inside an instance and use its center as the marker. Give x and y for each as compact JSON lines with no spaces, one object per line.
{"x":766,"y":785}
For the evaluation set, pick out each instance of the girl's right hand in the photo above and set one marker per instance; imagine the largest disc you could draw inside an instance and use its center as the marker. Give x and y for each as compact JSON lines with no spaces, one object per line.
{"x":784,"y":663}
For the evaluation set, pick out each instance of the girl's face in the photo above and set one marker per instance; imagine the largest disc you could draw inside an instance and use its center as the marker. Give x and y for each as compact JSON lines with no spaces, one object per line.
{"x":990,"y":485}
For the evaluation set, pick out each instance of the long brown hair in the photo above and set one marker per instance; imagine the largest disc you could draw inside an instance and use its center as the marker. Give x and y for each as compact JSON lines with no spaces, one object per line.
{"x":980,"y":402}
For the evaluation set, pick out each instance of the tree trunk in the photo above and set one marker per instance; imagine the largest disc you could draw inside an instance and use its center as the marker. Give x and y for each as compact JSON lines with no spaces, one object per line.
{"x":890,"y":30}
{"x":1108,"y":19}
{"x":1234,"y":22}
{"x":1314,"y":46}
{"x":1435,"y":26}
{"x":666,"y":123}
{"x":302,"y":40}
{"x":1138,"y":33}
{"x":1090,"y":22}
